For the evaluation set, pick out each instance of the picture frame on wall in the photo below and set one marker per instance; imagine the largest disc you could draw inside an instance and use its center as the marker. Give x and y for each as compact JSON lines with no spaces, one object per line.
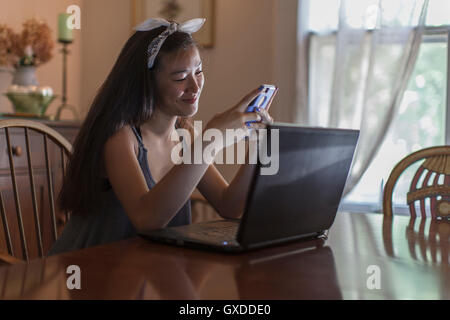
{"x":180,"y":11}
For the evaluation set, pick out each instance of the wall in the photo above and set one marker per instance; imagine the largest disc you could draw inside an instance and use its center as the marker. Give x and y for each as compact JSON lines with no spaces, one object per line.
{"x":105,"y":30}
{"x":14,"y":13}
{"x":284,"y":66}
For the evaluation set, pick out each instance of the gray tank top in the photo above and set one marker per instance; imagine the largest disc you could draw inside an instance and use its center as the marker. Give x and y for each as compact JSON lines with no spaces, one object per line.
{"x":111,"y":223}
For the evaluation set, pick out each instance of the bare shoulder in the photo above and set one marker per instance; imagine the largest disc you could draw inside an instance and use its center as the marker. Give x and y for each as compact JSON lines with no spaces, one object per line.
{"x":123,"y":140}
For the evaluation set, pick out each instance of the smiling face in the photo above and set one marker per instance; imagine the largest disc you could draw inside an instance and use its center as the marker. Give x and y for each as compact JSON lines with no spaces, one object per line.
{"x":179,"y":79}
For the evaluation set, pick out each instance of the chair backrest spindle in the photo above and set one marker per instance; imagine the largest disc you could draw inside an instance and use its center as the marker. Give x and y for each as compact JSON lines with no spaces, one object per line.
{"x":63,"y":169}
{"x":16,"y":196}
{"x":6,"y":226}
{"x":37,"y":223}
{"x":50,"y":188}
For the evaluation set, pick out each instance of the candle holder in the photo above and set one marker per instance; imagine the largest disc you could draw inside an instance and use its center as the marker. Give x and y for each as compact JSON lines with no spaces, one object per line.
{"x":65,"y":52}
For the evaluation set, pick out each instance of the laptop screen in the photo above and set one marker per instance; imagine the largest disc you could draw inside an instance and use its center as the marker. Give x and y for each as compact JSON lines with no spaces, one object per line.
{"x":298,"y":182}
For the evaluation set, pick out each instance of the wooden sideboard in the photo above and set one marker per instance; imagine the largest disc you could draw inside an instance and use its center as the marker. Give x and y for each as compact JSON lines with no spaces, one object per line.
{"x":69,"y":129}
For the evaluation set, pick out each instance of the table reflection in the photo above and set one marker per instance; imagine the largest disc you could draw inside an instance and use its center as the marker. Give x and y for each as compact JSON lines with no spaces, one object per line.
{"x":259,"y":274}
{"x":163,"y":278}
{"x":425,"y":240}
{"x":403,"y":250}
{"x":311,"y":270}
{"x":34,"y":281}
{"x":412,"y":256}
{"x":161,"y":274}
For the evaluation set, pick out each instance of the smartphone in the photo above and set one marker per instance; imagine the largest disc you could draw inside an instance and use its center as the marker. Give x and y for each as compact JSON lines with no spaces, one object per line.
{"x":262,"y":100}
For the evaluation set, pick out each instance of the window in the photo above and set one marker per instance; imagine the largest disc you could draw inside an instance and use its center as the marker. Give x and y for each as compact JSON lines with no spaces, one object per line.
{"x":423,"y":118}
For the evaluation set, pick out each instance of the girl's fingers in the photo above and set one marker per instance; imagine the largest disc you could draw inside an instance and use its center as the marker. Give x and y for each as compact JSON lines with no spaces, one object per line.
{"x":251,"y":116}
{"x":265,"y":116}
{"x":258,"y":125}
{"x":242,"y":106}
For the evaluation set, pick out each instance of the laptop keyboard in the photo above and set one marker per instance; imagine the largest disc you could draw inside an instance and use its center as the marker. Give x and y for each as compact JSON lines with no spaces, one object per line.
{"x":222,"y":231}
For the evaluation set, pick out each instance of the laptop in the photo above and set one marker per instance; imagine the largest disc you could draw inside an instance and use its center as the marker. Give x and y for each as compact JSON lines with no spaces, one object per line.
{"x":299,"y":201}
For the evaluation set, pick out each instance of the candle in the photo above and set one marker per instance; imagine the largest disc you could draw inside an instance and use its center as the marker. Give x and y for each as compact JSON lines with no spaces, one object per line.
{"x":64,"y":32}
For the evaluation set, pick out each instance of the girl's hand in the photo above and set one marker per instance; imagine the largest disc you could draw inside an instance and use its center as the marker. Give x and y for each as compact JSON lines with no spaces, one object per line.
{"x":265,"y":116}
{"x":236,"y":117}
{"x":264,"y":113}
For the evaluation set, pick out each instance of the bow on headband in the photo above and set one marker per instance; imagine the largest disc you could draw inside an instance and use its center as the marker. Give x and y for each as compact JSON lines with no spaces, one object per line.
{"x":189,"y":26}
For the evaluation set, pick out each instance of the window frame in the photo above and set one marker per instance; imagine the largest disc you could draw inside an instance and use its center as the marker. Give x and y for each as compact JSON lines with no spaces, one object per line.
{"x":430,"y":34}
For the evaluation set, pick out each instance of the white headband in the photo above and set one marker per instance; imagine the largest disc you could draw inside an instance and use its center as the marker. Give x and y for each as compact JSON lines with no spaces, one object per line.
{"x":189,"y":26}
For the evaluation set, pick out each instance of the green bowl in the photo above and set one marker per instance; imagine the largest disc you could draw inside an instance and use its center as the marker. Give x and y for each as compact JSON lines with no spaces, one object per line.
{"x":32,"y":103}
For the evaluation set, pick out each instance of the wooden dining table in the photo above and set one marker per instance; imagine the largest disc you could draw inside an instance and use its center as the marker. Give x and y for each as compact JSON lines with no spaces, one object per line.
{"x":366,"y":256}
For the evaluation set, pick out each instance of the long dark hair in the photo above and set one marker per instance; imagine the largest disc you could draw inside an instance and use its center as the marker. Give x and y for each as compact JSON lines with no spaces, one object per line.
{"x":127,"y":97}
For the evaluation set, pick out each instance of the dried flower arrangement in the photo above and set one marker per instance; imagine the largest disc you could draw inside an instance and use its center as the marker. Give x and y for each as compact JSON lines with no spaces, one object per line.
{"x":6,"y":41}
{"x":32,"y":47}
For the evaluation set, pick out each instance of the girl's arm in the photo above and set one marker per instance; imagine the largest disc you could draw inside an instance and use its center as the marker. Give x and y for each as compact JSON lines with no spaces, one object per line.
{"x":154,"y":208}
{"x":229,"y":200}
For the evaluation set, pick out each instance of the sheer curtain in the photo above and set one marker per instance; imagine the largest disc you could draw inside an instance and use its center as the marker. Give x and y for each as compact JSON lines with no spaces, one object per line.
{"x":358,"y":74}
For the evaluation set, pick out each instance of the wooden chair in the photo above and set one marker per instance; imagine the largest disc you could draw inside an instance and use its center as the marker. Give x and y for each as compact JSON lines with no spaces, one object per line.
{"x":33,"y":158}
{"x":431,"y":180}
